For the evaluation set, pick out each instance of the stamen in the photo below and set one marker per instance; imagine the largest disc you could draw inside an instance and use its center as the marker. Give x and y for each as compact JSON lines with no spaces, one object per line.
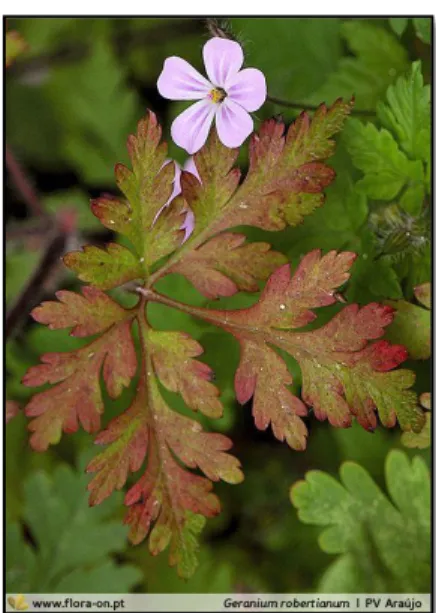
{"x":217,"y":95}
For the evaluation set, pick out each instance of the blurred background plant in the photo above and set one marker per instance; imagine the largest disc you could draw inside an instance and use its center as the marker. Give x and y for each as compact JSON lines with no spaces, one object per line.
{"x":75,"y":88}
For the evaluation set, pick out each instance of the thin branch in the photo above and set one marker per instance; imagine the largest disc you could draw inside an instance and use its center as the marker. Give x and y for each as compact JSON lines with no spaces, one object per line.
{"x":23,"y":185}
{"x":302,"y":106}
{"x":34,"y":287}
{"x":29,"y":231}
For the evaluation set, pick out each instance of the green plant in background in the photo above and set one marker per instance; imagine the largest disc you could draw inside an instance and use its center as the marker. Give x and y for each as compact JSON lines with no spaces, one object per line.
{"x":385,"y":222}
{"x":384,"y":545}
{"x":71,"y":546}
{"x":396,"y":170}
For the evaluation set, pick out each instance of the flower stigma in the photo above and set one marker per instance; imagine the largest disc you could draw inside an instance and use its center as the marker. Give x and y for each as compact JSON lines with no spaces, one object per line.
{"x":217,"y":95}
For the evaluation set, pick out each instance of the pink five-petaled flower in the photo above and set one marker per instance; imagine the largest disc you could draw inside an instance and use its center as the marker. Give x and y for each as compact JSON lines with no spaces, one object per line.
{"x":229,"y":95}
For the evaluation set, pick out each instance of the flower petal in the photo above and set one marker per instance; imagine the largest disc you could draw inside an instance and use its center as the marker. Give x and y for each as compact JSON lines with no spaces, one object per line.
{"x":233,"y":123}
{"x":223,"y":59}
{"x":180,"y":81}
{"x":190,"y":129}
{"x":188,"y":225}
{"x":247,"y":88}
{"x":190,"y":166}
{"x":177,"y":187}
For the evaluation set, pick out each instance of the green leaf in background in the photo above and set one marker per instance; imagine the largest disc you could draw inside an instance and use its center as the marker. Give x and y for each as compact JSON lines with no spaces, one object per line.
{"x":294,"y":66}
{"x":407,"y":113}
{"x":43,"y":34}
{"x":378,"y":59}
{"x":364,"y":285}
{"x":412,"y":326}
{"x":420,"y":440}
{"x":387,"y":170}
{"x":384,"y":544}
{"x":96,"y":109}
{"x":20,"y":264}
{"x":342,"y":217}
{"x":423,"y":28}
{"x":73,"y":541}
{"x":398,"y":24}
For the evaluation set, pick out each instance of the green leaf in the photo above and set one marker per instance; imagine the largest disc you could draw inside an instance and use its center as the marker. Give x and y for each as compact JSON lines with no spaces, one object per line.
{"x":412,"y":326}
{"x":93,"y":130}
{"x":398,"y":24}
{"x":423,"y":27}
{"x":383,"y":543}
{"x":379,"y":59}
{"x":342,"y":218}
{"x":387,"y":170}
{"x":72,"y":543}
{"x":106,"y":578}
{"x":407,"y":113}
{"x":20,"y":264}
{"x":105,"y":268}
{"x":298,"y":71}
{"x":420,"y":440}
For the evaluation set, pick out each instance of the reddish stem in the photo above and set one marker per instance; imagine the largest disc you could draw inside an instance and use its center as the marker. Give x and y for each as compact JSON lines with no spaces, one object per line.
{"x":23,"y":184}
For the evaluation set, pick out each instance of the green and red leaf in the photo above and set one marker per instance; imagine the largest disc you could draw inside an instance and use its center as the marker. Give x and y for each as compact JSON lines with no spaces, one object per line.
{"x":92,"y":313}
{"x":76,"y":397}
{"x":227,"y":263}
{"x":287,"y":174}
{"x":172,"y":354}
{"x":168,"y":499}
{"x":343,"y":374}
{"x":105,"y":268}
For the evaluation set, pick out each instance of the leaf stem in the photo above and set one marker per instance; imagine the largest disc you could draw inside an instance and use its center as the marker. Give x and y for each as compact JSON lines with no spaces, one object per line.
{"x":213,"y":316}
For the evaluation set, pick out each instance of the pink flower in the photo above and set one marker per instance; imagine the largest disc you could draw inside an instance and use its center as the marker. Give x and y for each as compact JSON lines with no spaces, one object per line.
{"x":189,"y":222}
{"x":229,"y":95}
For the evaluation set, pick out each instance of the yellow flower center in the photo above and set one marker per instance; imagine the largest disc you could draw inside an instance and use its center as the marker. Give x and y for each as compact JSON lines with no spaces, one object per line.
{"x":217,"y":95}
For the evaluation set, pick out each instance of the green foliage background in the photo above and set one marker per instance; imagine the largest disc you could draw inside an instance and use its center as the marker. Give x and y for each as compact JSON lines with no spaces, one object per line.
{"x":71,"y":100}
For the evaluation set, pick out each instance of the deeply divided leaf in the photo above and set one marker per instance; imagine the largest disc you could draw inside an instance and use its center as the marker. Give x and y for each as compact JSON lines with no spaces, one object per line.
{"x":382,"y":541}
{"x":169,"y":500}
{"x":343,"y":373}
{"x":346,"y":370}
